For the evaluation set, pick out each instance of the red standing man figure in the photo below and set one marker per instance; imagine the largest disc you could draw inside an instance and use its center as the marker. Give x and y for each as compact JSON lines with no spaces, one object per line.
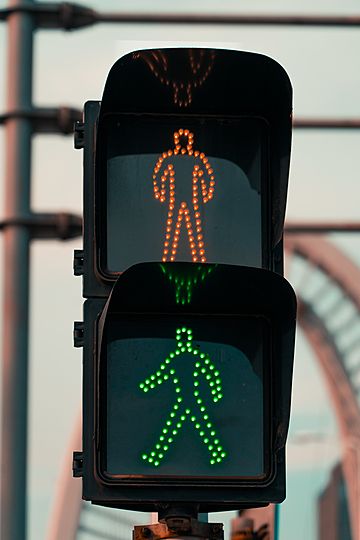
{"x":183,"y":213}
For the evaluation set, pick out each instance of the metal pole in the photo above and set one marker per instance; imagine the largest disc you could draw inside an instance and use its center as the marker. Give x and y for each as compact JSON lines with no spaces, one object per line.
{"x":16,"y":277}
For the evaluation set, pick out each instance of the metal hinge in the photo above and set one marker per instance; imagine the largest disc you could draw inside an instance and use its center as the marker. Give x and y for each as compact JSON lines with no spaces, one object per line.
{"x":78,"y":464}
{"x":79,"y":135}
{"x":78,"y":334}
{"x":78,"y":263}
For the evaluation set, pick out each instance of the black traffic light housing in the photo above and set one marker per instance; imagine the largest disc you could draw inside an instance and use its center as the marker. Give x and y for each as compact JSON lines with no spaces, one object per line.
{"x":224,"y":305}
{"x":217,"y":91}
{"x":241,"y":316}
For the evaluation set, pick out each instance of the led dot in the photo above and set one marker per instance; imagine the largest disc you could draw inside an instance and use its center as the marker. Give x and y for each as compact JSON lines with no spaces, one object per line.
{"x":161,"y":456}
{"x":209,"y":425}
{"x":142,"y":385}
{"x":174,"y":431}
{"x":168,"y":423}
{"x":156,"y":463}
{"x":170,"y":440}
{"x":202,"y":433}
{"x":152,"y":377}
{"x":212,"y":433}
{"x":178,"y":425}
{"x":164,"y":430}
{"x":202,"y":409}
{"x":146,"y":389}
{"x":223,"y":454}
{"x":197,"y":426}
{"x":196,"y":383}
{"x":150,"y":460}
{"x":158,"y":446}
{"x":172,"y":414}
{"x":161,"y":438}
{"x":193,"y":418}
{"x":212,"y":462}
{"x":196,"y":393}
{"x":179,"y":399}
{"x":220,"y":396}
{"x":144,"y":456}
{"x":152,"y":385}
{"x":172,"y":371}
{"x":219,"y":459}
{"x":153,"y":453}
{"x":166,"y":448}
{"x":177,"y":390}
{"x":187,"y":411}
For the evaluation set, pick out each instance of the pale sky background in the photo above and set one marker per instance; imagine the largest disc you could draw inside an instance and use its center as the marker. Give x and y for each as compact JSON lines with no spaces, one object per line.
{"x":70,"y":68}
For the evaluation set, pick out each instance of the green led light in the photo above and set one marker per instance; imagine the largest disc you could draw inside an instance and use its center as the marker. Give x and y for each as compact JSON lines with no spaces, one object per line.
{"x":197,"y":413}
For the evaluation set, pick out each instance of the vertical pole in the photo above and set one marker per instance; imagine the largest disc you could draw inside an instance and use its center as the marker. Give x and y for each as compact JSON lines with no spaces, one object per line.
{"x":276,"y":521}
{"x":16,"y":278}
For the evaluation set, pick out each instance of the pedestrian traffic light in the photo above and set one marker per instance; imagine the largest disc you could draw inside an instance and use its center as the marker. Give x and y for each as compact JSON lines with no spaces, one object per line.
{"x":188,"y":328}
{"x":188,"y":391}
{"x":186,"y":159}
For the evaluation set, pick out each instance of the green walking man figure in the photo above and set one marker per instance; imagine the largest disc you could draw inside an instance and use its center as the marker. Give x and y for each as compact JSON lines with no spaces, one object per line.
{"x":195,"y":410}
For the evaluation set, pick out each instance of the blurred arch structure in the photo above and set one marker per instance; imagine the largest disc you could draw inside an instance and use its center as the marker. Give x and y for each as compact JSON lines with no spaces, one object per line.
{"x":328,"y":288}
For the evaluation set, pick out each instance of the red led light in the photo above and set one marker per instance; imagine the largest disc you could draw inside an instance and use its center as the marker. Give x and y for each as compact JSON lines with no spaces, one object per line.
{"x":196,"y":244}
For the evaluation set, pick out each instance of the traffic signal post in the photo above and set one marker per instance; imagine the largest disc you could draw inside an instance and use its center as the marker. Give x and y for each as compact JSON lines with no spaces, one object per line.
{"x":189,"y":326}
